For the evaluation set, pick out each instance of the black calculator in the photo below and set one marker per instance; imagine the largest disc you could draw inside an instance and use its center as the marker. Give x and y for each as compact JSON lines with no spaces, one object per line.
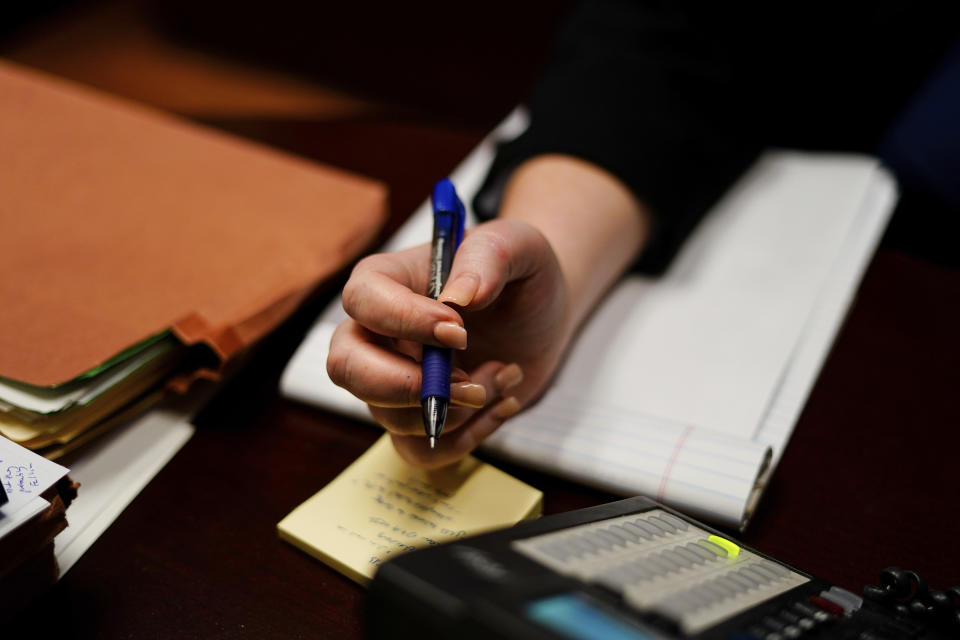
{"x":629,"y":570}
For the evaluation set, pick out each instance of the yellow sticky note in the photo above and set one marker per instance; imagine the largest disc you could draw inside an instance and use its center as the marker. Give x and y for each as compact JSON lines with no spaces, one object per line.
{"x":380,"y":507}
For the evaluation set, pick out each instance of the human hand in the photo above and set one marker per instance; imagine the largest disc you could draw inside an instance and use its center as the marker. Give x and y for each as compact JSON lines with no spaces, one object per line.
{"x":505,"y":295}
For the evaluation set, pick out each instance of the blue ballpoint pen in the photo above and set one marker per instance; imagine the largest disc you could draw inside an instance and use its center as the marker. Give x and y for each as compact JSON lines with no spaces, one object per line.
{"x":448,"y":222}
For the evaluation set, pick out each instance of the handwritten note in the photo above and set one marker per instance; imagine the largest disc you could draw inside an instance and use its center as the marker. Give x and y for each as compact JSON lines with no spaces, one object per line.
{"x":24,"y":475}
{"x":380,"y":507}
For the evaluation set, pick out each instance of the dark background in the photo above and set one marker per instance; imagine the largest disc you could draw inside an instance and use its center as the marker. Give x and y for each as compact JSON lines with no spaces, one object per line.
{"x":869,"y":478}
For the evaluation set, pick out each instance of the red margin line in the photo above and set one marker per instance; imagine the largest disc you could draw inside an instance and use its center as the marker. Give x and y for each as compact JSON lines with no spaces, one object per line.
{"x":673,"y":458}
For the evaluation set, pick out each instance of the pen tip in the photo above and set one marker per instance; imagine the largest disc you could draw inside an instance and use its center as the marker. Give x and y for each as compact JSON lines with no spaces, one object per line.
{"x":433,"y":442}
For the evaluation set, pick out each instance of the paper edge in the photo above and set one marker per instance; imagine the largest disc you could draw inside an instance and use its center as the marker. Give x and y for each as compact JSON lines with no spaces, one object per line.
{"x":157,"y":444}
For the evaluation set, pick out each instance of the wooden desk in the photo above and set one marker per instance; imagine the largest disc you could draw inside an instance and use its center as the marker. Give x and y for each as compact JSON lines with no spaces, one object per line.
{"x":868,"y":480}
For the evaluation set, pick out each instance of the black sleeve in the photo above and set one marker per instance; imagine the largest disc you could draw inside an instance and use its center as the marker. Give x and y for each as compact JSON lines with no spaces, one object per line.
{"x":653,"y":94}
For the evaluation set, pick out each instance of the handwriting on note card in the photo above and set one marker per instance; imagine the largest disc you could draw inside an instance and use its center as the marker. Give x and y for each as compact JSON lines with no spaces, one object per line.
{"x":24,"y":475}
{"x":380,"y":507}
{"x":21,"y":478}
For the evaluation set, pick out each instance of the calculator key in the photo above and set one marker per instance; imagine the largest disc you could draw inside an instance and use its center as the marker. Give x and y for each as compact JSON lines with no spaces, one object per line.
{"x":777,"y":570}
{"x":717,"y":550}
{"x":804,"y":609}
{"x":700,"y":551}
{"x":789,"y":617}
{"x":675,"y":521}
{"x":769,"y":570}
{"x":641,"y":570}
{"x":660,"y":565}
{"x":627,"y":534}
{"x":609,"y":540}
{"x":619,"y":533}
{"x":683,"y":561}
{"x":717,"y":594}
{"x":674,"y":562}
{"x":827,"y":605}
{"x":849,"y":601}
{"x":732,"y":550}
{"x":754,"y":579}
{"x":663,"y":527}
{"x":689,"y":555}
{"x":903,"y":628}
{"x":773,"y":624}
{"x":729,"y":584}
{"x":745,"y":583}
{"x":700,"y":599}
{"x":581,"y":545}
{"x":595,"y":543}
{"x":557,"y":551}
{"x":637,"y":530}
{"x":651,"y":530}
{"x":821,"y":616}
{"x":662,"y":522}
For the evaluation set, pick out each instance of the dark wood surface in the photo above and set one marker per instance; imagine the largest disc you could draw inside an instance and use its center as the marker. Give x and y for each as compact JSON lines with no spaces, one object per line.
{"x":869,"y":478}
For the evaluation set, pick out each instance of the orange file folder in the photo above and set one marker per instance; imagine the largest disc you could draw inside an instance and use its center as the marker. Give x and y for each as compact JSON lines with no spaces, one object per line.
{"x":118,"y":222}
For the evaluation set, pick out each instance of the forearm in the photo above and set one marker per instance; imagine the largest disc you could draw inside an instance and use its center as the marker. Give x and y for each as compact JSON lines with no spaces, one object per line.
{"x":595,"y":225}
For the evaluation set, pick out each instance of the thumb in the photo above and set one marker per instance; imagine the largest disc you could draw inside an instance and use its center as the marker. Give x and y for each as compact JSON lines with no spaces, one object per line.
{"x":492,"y":255}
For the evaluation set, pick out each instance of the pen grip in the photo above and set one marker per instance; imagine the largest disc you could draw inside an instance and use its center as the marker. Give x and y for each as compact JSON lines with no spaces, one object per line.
{"x":436,"y":373}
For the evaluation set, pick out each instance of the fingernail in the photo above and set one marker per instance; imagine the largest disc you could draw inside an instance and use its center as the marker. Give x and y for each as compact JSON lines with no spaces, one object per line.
{"x":461,"y":290}
{"x":450,"y":334}
{"x":510,"y":376}
{"x":468,"y":394}
{"x":506,"y":408}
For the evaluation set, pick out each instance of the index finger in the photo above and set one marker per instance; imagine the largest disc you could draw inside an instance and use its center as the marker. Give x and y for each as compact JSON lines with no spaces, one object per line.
{"x":380,"y":295}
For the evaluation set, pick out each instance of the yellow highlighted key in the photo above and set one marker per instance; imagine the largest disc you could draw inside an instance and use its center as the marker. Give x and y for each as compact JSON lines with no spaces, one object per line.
{"x":732,"y":550}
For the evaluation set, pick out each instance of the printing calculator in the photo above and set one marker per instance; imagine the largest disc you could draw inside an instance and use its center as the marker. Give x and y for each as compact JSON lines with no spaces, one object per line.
{"x":629,"y":570}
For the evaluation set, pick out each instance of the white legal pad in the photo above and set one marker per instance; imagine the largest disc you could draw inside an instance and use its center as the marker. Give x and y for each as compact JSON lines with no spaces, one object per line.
{"x":686,"y":387}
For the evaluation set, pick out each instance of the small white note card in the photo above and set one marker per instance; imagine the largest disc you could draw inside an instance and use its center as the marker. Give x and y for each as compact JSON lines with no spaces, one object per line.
{"x":24,"y":475}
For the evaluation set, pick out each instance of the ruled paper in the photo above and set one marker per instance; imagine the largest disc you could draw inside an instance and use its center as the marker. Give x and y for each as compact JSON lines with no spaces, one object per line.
{"x":827,"y":315}
{"x":699,"y":471}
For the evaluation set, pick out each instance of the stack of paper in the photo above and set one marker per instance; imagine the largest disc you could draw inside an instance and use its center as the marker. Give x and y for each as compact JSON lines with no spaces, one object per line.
{"x":686,"y":387}
{"x":140,"y":252}
{"x":52,"y":420}
{"x":113,"y":469}
{"x":37,"y":494}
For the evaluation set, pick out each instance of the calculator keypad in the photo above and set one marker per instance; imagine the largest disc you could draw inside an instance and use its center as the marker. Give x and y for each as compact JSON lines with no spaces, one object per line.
{"x":661,"y":564}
